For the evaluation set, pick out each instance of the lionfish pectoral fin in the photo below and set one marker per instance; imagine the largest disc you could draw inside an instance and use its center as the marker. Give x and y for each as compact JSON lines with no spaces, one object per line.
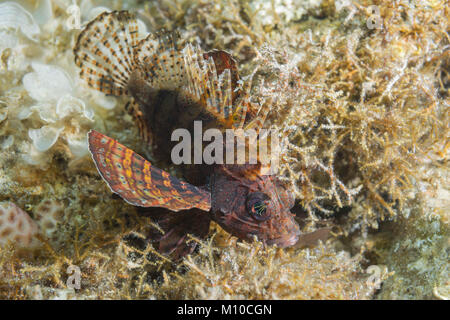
{"x":105,"y":52}
{"x":159,"y":58}
{"x":138,"y":182}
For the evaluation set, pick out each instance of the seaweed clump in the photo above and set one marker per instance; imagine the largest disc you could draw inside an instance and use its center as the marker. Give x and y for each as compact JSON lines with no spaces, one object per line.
{"x":250,"y":271}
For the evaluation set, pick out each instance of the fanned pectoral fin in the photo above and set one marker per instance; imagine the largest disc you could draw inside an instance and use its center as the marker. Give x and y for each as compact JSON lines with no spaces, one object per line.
{"x":105,"y":52}
{"x":138,"y":182}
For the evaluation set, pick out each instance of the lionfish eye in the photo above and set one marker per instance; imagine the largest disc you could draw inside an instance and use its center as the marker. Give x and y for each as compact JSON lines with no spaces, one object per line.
{"x":257,"y":207}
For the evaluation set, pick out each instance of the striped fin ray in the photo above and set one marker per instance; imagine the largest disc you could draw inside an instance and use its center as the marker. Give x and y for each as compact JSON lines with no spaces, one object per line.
{"x":212,"y":79}
{"x":224,"y":62}
{"x":105,"y":51}
{"x":195,"y":72}
{"x":138,"y":182}
{"x":238,"y":116}
{"x":161,"y":61}
{"x":242,"y":108}
{"x":258,"y":121}
{"x":132,"y":107}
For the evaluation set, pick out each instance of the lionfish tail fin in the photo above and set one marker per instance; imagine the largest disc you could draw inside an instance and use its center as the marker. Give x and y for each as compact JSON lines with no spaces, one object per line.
{"x":138,"y":182}
{"x":105,"y":51}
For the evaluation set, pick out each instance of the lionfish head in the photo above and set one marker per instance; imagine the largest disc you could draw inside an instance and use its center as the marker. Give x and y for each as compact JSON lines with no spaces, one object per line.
{"x":251,"y":205}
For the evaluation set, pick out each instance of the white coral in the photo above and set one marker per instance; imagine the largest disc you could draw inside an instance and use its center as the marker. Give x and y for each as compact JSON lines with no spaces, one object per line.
{"x":53,"y":91}
{"x":288,"y":10}
{"x":68,"y":105}
{"x":47,"y":83}
{"x":14,"y":16}
{"x":6,"y":142}
{"x":45,"y":137}
{"x":77,"y":145}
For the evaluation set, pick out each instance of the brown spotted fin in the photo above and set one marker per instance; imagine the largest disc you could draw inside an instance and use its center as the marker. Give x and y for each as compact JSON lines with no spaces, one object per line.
{"x":105,"y":52}
{"x":132,"y":107}
{"x":138,"y":182}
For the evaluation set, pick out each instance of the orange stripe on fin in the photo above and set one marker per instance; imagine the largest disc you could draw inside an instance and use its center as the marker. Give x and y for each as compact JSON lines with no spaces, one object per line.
{"x":114,"y":161}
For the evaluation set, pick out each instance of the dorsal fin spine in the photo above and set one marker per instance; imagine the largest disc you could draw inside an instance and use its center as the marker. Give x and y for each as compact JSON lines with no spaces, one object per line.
{"x":107,"y":51}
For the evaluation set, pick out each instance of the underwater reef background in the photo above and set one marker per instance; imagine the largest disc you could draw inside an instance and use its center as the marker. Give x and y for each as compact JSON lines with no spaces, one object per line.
{"x":360,"y":95}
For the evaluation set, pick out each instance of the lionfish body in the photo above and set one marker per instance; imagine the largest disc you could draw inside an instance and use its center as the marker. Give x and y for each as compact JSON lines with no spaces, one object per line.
{"x":170,"y":86}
